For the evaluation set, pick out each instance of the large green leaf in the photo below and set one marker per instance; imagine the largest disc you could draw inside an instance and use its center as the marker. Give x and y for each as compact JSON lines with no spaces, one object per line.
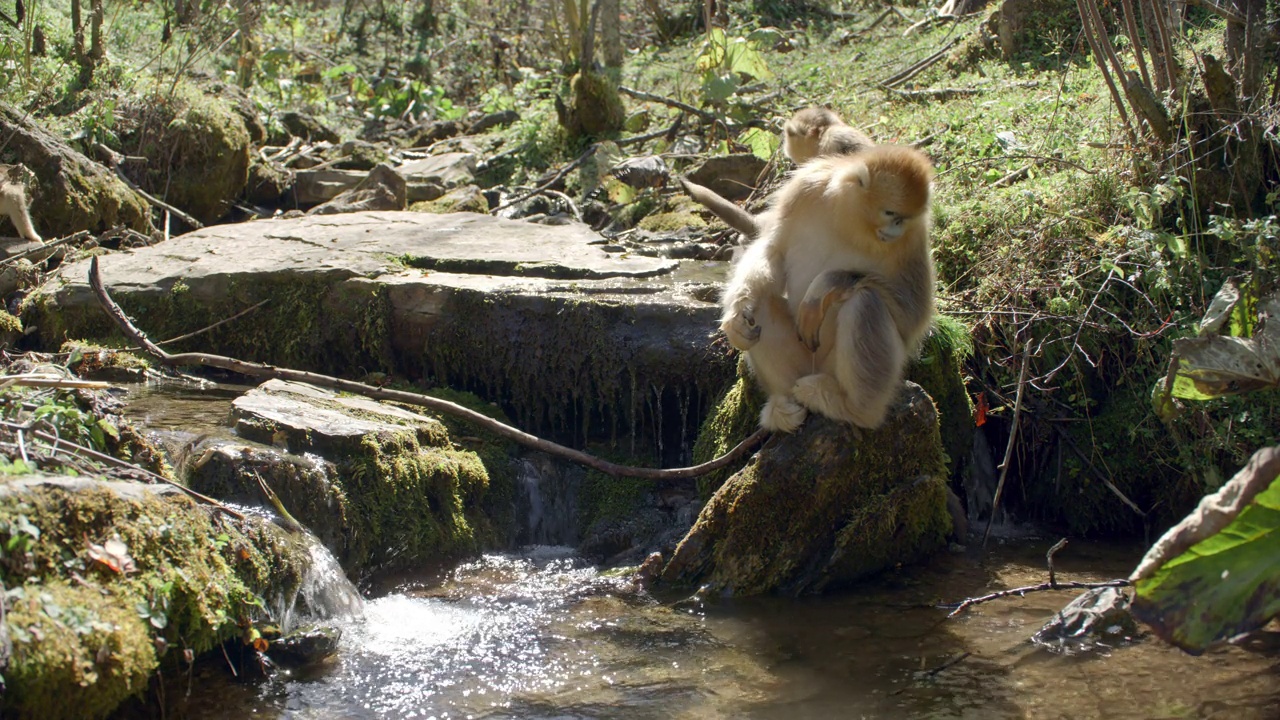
{"x":1217,"y":573}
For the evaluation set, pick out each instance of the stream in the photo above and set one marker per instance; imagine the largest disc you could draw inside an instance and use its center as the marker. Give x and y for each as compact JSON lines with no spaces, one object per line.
{"x":539,"y":633}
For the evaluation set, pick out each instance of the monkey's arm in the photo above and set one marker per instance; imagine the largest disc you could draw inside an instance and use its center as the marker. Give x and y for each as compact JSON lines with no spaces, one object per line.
{"x":756,"y":275}
{"x":829,"y":288}
{"x":13,"y":202}
{"x":736,"y":217}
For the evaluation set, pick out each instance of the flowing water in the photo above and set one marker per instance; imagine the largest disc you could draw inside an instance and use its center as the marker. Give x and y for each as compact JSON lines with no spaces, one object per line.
{"x":540,"y":634}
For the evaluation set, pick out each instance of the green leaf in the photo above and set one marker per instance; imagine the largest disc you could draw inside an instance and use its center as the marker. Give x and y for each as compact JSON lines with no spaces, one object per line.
{"x":1206,"y":581}
{"x":763,"y":143}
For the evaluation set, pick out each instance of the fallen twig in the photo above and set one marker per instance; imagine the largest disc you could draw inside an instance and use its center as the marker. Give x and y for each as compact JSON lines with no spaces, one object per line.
{"x":1021,"y":591}
{"x":521,"y":437}
{"x":50,"y":380}
{"x":665,"y":132}
{"x":919,"y":67}
{"x":669,"y":102}
{"x":933,"y":93}
{"x":1012,"y":177}
{"x":207,"y":328}
{"x":554,"y":179}
{"x":1053,"y":584}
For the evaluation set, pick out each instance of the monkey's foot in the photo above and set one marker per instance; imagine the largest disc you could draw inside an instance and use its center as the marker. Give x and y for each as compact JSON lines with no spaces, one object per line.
{"x":809,"y":323}
{"x":822,"y":393}
{"x":782,"y":414}
{"x":741,"y":330}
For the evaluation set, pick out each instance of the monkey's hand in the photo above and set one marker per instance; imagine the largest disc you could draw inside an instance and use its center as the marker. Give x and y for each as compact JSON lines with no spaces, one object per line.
{"x":741,"y":328}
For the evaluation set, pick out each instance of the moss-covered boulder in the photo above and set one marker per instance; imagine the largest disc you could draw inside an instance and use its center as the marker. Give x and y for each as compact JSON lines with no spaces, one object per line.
{"x":107,"y":580}
{"x":939,"y":369}
{"x":384,"y":487}
{"x":822,"y":508}
{"x":71,"y":192}
{"x":196,"y":148}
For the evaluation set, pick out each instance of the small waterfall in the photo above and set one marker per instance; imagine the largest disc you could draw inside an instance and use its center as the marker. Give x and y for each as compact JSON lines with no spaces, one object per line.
{"x":548,"y":501}
{"x":325,"y":592}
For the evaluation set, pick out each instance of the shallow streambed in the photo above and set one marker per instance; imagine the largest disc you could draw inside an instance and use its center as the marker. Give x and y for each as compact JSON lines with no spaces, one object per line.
{"x":539,"y":635}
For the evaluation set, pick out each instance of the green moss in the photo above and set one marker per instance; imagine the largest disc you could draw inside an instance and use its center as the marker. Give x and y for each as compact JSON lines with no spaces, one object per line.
{"x":414,"y":505}
{"x":597,"y":108}
{"x":311,"y":324}
{"x":940,"y":371}
{"x":9,"y":323}
{"x":59,"y":675}
{"x":672,"y":222}
{"x":734,"y":418}
{"x":463,"y":199}
{"x":199,"y":147}
{"x":81,"y":649}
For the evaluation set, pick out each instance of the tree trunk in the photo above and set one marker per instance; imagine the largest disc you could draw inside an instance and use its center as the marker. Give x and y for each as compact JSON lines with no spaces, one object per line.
{"x":611,"y":32}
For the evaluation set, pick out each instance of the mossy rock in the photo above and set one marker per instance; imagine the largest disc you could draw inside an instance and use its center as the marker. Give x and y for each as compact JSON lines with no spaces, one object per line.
{"x":468,"y":198}
{"x":822,"y":508}
{"x":391,"y":491}
{"x":939,"y":369}
{"x":596,"y":109}
{"x":197,"y":150}
{"x":71,"y":192}
{"x":80,"y":649}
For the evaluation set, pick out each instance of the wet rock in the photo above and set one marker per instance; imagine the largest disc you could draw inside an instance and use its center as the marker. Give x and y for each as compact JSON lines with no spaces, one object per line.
{"x":823,"y":508}
{"x":572,"y":340}
{"x":381,"y":189}
{"x":71,"y":192}
{"x":1099,"y":616}
{"x":380,"y":486}
{"x":306,"y":127}
{"x":732,"y":176}
{"x":492,"y":120}
{"x":305,"y":646}
{"x":305,"y":418}
{"x":88,"y":633}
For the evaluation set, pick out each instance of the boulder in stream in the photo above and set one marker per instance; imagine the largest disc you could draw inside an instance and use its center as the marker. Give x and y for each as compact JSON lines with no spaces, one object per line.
{"x":381,"y":486}
{"x":822,"y":508}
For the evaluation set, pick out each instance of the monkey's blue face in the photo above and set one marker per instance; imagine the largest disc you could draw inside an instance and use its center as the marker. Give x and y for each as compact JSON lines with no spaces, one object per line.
{"x":891,"y":227}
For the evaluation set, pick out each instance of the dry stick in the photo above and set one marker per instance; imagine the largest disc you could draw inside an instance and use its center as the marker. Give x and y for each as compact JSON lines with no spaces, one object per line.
{"x":636,"y":139}
{"x":669,"y":102}
{"x":1013,"y":436}
{"x":554,"y":179}
{"x":919,"y":67}
{"x":1090,"y":35}
{"x":49,"y":380}
{"x":1164,"y":35}
{"x":519,"y":436}
{"x":1104,"y":40}
{"x":1020,"y":591}
{"x":115,"y":159}
{"x":1053,"y":584}
{"x":1131,"y":27}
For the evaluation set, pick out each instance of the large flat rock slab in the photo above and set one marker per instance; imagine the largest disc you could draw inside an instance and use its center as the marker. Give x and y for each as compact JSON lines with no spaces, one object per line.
{"x":571,"y":340}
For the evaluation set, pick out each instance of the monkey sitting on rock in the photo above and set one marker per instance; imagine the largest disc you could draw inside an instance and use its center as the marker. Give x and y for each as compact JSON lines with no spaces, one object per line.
{"x":835,"y":295}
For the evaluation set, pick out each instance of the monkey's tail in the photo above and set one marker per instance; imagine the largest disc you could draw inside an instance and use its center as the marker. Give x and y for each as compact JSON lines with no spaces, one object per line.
{"x":736,"y":217}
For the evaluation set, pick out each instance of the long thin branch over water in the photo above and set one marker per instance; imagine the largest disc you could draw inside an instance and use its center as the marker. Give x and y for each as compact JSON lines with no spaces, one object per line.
{"x":521,"y":437}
